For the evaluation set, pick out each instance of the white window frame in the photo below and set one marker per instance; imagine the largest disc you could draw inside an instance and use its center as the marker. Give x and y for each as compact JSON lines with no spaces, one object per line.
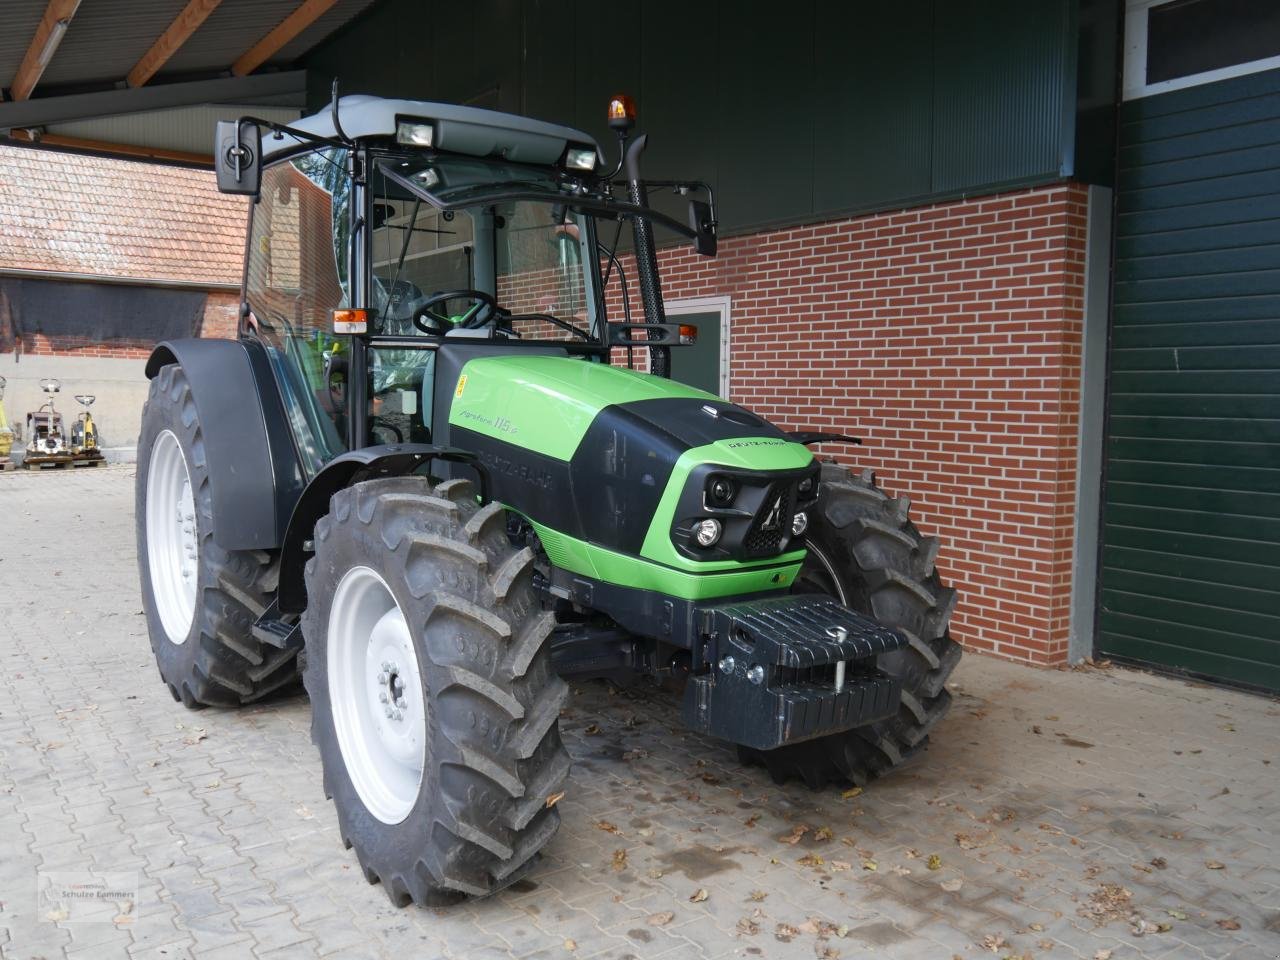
{"x":1135,"y":58}
{"x":721,"y":305}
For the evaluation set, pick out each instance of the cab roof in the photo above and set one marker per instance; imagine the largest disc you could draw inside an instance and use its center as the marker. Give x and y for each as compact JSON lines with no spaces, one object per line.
{"x":467,"y":130}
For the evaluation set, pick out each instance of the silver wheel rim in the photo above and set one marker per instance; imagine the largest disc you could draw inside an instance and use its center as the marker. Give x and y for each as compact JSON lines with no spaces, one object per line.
{"x":171,"y":537}
{"x":375,"y":693}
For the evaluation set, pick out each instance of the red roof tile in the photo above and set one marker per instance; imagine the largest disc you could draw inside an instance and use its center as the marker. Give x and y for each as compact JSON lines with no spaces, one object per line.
{"x":71,"y":213}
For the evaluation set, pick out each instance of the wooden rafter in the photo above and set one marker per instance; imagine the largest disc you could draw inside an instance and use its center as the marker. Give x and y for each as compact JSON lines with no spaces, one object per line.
{"x":170,"y":42}
{"x":39,"y":51}
{"x":281,"y":34}
{"x":115,"y":149}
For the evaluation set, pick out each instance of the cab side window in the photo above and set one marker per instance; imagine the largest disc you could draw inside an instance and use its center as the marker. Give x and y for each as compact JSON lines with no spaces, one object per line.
{"x":296,"y":275}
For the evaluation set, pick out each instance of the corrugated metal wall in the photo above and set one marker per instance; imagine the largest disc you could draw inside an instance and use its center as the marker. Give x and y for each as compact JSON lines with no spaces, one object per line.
{"x":794,"y":112}
{"x":1191,"y":538}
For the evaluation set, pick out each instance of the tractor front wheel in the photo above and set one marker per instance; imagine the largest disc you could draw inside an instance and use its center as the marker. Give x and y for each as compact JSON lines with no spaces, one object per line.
{"x":434,"y":705}
{"x":865,"y":552}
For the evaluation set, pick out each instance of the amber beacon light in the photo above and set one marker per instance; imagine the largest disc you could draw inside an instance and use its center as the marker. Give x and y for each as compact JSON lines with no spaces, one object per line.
{"x":622,"y":112}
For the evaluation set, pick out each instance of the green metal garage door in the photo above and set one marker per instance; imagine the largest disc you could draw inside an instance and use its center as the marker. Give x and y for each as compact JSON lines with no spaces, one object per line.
{"x":1191,"y":537}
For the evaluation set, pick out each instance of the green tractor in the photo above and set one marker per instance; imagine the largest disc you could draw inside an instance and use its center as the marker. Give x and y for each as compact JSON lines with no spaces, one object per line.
{"x":417,"y":481}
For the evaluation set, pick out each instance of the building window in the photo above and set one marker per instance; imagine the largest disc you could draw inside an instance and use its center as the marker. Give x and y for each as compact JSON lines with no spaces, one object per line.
{"x":1172,"y":44}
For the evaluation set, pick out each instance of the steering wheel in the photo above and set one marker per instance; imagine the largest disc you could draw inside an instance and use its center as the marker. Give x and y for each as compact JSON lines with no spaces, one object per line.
{"x":431,"y":322}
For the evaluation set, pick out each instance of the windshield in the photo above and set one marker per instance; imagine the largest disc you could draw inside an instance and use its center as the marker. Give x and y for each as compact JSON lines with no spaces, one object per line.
{"x":522,"y":268}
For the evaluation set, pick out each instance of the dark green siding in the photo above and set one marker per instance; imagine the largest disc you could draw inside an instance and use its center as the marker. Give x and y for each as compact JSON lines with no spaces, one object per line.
{"x":1191,"y":541}
{"x":793,"y":111}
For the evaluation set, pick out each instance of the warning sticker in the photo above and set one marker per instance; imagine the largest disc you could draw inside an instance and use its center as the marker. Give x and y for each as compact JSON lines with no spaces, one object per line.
{"x":462,"y":385}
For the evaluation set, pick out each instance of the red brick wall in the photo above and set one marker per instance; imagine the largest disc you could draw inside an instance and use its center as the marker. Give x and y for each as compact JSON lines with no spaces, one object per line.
{"x":221,"y":317}
{"x":948,"y":338}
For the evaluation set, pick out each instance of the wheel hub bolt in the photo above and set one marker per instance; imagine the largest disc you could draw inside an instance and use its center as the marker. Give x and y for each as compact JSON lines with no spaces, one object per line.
{"x":382,"y":697}
{"x":388,"y":711}
{"x":400,"y":704}
{"x":756,"y":674}
{"x":397,"y":715}
{"x":382,"y":678}
{"x":727,"y":664}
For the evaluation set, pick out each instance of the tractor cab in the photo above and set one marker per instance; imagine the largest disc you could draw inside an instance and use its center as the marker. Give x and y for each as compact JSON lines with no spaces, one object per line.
{"x":391,"y":239}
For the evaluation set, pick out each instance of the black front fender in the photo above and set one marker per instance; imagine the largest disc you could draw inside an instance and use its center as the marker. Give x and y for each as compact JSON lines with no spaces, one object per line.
{"x":355,"y":466}
{"x":254,"y":474}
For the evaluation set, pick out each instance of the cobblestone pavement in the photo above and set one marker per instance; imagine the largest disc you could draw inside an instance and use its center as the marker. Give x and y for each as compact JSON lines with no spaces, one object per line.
{"x":1055,"y":812}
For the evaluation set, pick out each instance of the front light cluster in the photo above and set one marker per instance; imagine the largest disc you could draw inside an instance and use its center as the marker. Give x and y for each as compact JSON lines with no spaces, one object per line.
{"x":706,"y":532}
{"x":720,"y":491}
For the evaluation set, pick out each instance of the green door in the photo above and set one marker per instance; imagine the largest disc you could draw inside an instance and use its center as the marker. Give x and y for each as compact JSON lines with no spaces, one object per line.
{"x":699,"y":365}
{"x":1191,"y":522}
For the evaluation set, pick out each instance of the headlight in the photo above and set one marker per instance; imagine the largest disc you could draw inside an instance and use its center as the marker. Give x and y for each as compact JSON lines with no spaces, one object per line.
{"x":799,"y":523}
{"x":720,"y":492}
{"x":706,"y":532}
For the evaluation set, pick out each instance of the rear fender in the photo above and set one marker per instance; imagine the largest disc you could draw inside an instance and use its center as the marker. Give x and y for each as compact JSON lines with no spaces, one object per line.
{"x":355,"y":466}
{"x":254,"y":474}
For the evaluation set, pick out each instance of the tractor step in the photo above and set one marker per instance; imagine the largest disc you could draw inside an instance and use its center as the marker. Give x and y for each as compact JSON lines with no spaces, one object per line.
{"x":283,"y":632}
{"x":790,"y":668}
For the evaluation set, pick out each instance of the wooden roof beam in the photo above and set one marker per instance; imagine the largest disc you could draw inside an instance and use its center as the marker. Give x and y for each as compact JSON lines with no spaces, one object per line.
{"x":170,"y":42}
{"x":288,"y":28}
{"x":57,"y":16}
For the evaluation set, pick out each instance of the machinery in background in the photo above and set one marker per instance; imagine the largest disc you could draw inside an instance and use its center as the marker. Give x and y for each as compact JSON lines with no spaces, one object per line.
{"x":6,"y":434}
{"x":85,"y":449}
{"x":47,"y":437}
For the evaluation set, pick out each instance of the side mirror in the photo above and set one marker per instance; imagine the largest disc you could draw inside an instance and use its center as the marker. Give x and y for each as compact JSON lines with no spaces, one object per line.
{"x":701,"y":223}
{"x":237,"y":157}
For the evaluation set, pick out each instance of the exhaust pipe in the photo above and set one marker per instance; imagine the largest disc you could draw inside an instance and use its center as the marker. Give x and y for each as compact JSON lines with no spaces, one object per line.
{"x":646,"y":256}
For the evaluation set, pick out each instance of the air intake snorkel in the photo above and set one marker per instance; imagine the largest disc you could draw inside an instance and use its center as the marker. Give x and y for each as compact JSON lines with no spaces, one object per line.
{"x":622,"y":118}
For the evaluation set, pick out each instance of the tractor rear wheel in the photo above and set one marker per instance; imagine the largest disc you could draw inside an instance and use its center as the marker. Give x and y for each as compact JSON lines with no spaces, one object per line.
{"x":434,"y":705}
{"x":200,"y":601}
{"x":865,"y":552}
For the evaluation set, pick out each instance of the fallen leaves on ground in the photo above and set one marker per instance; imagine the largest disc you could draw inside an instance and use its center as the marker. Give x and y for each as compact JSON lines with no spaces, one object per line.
{"x":571,"y":945}
{"x":823,"y":833}
{"x":811,"y":860}
{"x":1109,"y":902}
{"x":1177,"y":914}
{"x":1215,"y":865}
{"x":757,"y":896}
{"x":195,"y":736}
{"x":785,"y":932}
{"x":554,"y":799}
{"x":841,"y":865}
{"x":1160,"y":863}
{"x":660,"y":919}
{"x":901,"y":871}
{"x":851,"y":793}
{"x":699,"y":895}
{"x":952,"y":885}
{"x":1141,"y":927}
{"x":748,"y":927}
{"x":619,"y":860}
{"x":592,"y":729}
{"x":934,"y":862}
{"x":1230,"y":923}
{"x":796,"y":835}
{"x":994,"y":942}
{"x":607,"y":827}
{"x":752,"y":820}
{"x":870,"y":865}
{"x":1102,"y":955}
